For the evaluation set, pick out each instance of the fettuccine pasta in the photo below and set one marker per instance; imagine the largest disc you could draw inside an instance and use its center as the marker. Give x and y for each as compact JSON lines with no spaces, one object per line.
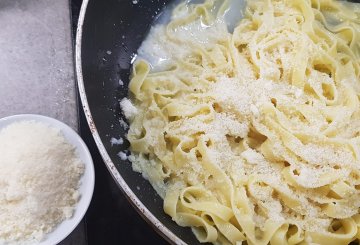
{"x":253,"y":135}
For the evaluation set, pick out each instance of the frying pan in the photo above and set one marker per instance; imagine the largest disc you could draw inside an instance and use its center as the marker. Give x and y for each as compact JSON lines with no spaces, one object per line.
{"x":108,"y":36}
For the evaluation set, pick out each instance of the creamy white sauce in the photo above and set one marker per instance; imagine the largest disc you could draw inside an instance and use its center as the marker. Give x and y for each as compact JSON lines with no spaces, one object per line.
{"x":161,"y":54}
{"x":234,"y":14}
{"x":152,"y":49}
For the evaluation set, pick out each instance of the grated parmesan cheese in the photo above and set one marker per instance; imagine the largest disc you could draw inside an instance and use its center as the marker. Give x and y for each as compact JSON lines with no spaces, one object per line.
{"x":123,"y":124}
{"x":128,"y":108}
{"x":39,"y":177}
{"x":122,"y":155}
{"x":115,"y":141}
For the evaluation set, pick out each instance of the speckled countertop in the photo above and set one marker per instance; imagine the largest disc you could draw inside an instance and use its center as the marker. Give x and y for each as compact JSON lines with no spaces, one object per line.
{"x":36,"y":66}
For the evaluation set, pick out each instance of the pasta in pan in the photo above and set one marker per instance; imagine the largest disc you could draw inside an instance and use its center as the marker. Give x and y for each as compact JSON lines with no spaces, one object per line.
{"x":254,"y":135}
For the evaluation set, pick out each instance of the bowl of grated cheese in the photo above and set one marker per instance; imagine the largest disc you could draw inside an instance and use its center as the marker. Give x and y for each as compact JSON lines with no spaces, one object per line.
{"x":46,"y":180}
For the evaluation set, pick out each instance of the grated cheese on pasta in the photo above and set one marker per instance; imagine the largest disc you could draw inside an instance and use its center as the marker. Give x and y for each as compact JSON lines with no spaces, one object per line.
{"x":253,"y":135}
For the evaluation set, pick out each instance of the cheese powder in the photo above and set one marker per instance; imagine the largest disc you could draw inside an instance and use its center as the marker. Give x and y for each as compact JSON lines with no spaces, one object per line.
{"x":39,"y":178}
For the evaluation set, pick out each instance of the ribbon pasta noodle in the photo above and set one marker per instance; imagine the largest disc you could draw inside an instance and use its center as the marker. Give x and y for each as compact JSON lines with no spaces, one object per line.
{"x":253,"y":135}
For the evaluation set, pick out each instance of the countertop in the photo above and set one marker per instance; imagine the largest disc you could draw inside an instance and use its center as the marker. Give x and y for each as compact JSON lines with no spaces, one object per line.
{"x":36,"y":64}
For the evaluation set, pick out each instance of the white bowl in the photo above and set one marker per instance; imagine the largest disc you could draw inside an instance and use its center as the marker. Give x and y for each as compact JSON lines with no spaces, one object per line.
{"x":87,"y":180}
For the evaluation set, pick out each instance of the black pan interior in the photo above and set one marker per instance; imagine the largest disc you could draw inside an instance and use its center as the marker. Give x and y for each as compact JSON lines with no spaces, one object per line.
{"x":112,"y":32}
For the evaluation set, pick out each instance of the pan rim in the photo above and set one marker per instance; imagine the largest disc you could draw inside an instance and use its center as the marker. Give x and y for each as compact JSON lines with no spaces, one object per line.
{"x":130,"y":195}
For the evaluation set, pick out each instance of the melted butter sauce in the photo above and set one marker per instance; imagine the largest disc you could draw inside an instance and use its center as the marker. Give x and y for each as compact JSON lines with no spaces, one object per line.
{"x":159,"y":53}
